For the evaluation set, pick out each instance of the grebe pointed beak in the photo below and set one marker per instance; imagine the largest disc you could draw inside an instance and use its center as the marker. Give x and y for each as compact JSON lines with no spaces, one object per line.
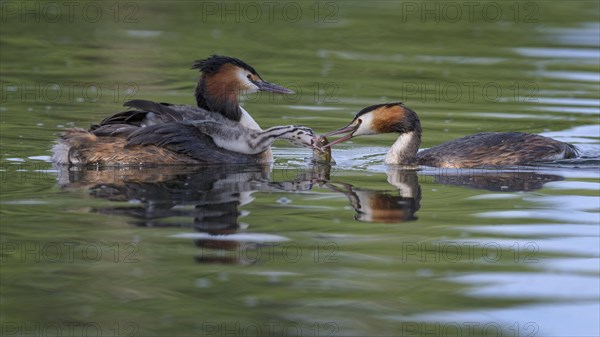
{"x":270,"y":87}
{"x":350,"y":129}
{"x":345,"y":129}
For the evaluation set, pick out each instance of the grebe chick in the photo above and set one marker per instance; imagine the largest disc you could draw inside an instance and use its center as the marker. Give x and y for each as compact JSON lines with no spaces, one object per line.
{"x":222,"y":81}
{"x":210,"y":140}
{"x":478,"y":150}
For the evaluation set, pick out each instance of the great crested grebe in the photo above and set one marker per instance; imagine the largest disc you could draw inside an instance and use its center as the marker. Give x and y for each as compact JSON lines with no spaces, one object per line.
{"x":223,"y":80}
{"x":208,"y":138}
{"x":479,"y":150}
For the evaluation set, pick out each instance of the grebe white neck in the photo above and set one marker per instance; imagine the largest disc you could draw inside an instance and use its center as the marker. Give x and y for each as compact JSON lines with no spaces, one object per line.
{"x":404,"y":150}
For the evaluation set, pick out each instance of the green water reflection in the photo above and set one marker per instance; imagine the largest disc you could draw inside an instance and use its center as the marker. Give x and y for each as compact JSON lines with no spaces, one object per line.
{"x":126,"y":252}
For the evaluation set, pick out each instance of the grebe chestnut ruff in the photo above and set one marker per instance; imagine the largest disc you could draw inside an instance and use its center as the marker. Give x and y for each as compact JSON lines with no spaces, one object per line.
{"x":479,"y":150}
{"x":223,"y":80}
{"x":209,"y":138}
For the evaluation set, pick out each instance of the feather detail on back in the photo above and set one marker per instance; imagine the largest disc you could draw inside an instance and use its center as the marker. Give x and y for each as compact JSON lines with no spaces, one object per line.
{"x":496,"y":149}
{"x":156,"y":129}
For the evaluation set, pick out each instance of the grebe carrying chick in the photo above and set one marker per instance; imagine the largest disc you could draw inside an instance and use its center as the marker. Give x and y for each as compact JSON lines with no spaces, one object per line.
{"x":218,"y":130}
{"x":210,"y":138}
{"x":484,"y":149}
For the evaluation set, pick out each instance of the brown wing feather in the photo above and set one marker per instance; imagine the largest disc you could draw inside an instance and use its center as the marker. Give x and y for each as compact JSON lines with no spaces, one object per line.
{"x":86,"y":148}
{"x":173,"y":144}
{"x":154,"y":133}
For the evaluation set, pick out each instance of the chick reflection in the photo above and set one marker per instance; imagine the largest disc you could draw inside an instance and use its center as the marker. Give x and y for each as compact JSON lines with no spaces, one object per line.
{"x":385,"y":206}
{"x":206,"y":198}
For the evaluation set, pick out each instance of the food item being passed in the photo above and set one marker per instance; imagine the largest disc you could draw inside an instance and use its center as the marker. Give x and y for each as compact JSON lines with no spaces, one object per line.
{"x":322,"y":154}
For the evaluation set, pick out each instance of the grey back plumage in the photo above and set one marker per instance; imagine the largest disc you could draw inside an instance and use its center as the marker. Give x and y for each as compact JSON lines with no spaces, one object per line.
{"x":169,"y":126}
{"x":190,"y":141}
{"x":148,"y":113}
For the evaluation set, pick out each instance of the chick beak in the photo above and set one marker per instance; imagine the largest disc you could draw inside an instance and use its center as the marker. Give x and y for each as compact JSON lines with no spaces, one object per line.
{"x":350,"y":129}
{"x":270,"y":87}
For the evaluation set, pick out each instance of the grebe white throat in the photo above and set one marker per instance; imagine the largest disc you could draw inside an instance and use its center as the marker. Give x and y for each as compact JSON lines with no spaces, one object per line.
{"x":404,"y":150}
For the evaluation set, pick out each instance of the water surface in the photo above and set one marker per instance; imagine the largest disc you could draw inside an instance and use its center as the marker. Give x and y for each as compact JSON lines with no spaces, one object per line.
{"x":353,"y":249}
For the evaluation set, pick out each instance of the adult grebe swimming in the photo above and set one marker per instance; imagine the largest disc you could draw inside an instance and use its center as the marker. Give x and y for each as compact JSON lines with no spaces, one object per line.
{"x":209,"y":138}
{"x":478,"y":150}
{"x":223,"y":80}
